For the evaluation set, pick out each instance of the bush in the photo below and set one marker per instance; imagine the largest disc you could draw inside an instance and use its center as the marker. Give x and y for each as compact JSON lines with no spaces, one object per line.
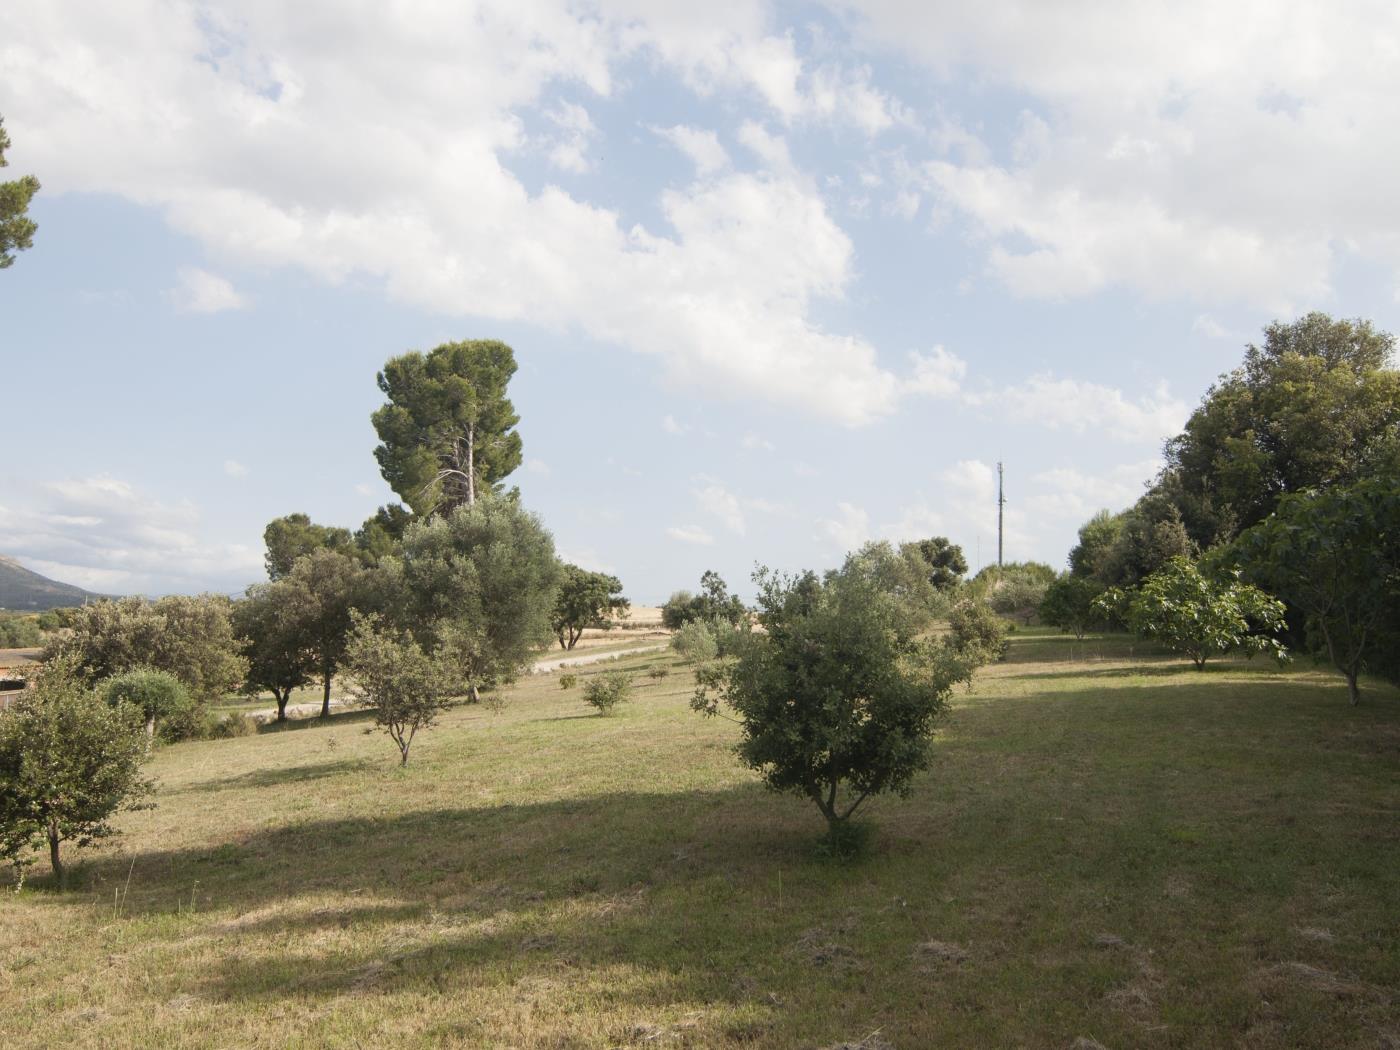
{"x":695,"y":642}
{"x":1069,"y":604}
{"x":233,"y":725}
{"x":568,"y":681}
{"x":195,"y":722}
{"x":19,"y":632}
{"x":656,"y":674}
{"x":976,"y":633}
{"x":607,"y":690}
{"x":157,"y":695}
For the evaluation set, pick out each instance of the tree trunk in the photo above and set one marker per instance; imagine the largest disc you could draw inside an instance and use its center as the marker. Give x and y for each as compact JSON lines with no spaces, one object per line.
{"x":471,"y":464}
{"x":326,"y":693}
{"x":1353,"y":689}
{"x":150,"y":726}
{"x":473,"y":696}
{"x":282,"y":698}
{"x":59,"y":874}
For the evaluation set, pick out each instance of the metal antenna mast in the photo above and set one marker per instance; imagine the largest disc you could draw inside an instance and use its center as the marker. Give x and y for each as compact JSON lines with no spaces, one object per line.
{"x":1001,"y":510}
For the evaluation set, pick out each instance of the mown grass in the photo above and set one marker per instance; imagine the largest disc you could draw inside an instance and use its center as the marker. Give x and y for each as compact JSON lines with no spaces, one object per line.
{"x":1111,"y":846}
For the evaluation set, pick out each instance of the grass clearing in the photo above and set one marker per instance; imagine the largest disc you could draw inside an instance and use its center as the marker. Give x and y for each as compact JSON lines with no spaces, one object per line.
{"x":1111,"y":846}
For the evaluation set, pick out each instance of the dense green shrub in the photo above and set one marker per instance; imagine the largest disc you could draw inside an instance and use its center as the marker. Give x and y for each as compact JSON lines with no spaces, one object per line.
{"x":20,"y":632}
{"x":568,"y":680}
{"x":695,"y":642}
{"x":976,"y":633}
{"x":607,"y":690}
{"x":1069,"y":604}
{"x":157,"y":695}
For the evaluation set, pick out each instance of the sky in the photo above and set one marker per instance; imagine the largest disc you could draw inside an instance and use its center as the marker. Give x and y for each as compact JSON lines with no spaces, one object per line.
{"x":780,"y":278}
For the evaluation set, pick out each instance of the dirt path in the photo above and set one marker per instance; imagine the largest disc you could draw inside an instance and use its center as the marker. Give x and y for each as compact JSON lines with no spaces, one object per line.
{"x":546,"y":666}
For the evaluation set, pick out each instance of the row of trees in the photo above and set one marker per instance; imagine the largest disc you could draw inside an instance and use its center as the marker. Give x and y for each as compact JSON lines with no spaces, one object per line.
{"x":1276,"y":517}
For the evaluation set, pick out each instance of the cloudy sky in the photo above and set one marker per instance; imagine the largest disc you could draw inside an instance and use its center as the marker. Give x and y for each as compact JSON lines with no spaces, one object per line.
{"x":780,"y":278}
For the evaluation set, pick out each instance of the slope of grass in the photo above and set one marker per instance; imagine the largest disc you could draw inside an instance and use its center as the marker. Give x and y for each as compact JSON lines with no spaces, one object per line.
{"x":1111,"y":846}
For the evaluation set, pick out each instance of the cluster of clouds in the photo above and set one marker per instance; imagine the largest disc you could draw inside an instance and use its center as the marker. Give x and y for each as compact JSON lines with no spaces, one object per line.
{"x":103,"y":534}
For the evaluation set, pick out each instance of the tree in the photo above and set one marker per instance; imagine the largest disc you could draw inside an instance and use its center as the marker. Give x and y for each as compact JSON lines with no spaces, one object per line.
{"x":1200,"y":617}
{"x":276,"y":643}
{"x":835,"y":693}
{"x":1315,"y":406}
{"x":382,"y":532}
{"x":447,"y":430}
{"x":944,"y":559}
{"x":407,"y":687}
{"x":294,"y":536}
{"x":903,"y":574}
{"x":714,"y":603}
{"x":1097,"y":538}
{"x":68,"y":764}
{"x":192,"y":637}
{"x":678,"y":610}
{"x":1019,"y":590}
{"x":156,"y":695}
{"x":324,"y":587}
{"x":586,"y":599}
{"x":695,"y":642}
{"x":1334,"y":556}
{"x":605,"y":691}
{"x":16,"y":227}
{"x":485,"y":574}
{"x":975,"y":633}
{"x":1069,"y":604}
{"x":19,"y":632}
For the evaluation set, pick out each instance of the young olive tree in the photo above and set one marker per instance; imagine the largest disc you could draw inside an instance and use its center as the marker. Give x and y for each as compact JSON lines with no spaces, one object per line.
{"x":276,"y":640}
{"x":1197,"y":616}
{"x":407,"y":687}
{"x":68,"y":764}
{"x":837,"y":696}
{"x":975,"y":633}
{"x":605,"y":691}
{"x":1333,"y":555}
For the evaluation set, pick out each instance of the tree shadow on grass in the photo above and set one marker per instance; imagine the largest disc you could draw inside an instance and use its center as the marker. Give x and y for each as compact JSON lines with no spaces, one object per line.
{"x":338,"y":717}
{"x":276,"y":777}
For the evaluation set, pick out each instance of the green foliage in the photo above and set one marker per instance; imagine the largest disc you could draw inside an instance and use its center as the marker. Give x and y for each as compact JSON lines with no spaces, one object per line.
{"x":192,"y":637}
{"x":295,"y":536}
{"x":946,"y":565}
{"x":273,"y":623}
{"x":695,"y":642}
{"x":231,"y":726}
{"x":1069,"y":604}
{"x":586,"y":599}
{"x":447,"y":430}
{"x":16,"y":227}
{"x":903,"y":574}
{"x":55,"y":619}
{"x":1019,"y":590}
{"x":20,"y":631}
{"x":1334,"y":556}
{"x":487,"y":576}
{"x":68,"y":764}
{"x":568,"y":680}
{"x":382,"y":533}
{"x":607,"y":690}
{"x":835,"y":691}
{"x":157,"y":695}
{"x":713,"y":603}
{"x":657,"y":674}
{"x":406,"y":687}
{"x":1198,"y":616}
{"x":976,"y":633}
{"x":322,"y":589}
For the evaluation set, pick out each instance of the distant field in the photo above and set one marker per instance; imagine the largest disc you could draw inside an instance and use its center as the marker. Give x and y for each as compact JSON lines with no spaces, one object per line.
{"x":1110,"y":847}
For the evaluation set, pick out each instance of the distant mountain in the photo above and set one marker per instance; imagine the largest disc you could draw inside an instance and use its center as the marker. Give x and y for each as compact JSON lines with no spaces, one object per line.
{"x":27,"y":591}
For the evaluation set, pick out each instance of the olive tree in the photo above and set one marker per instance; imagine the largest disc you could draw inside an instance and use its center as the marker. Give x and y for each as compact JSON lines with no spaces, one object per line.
{"x":485,"y":576}
{"x":1334,"y":556}
{"x":1199,"y":616}
{"x":276,"y":641}
{"x":157,"y":695}
{"x":406,"y":686}
{"x":1069,"y":604}
{"x":837,"y":696}
{"x":68,"y":764}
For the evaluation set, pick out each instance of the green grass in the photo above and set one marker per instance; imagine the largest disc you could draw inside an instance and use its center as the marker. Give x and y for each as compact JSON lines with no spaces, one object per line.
{"x":1110,"y":846}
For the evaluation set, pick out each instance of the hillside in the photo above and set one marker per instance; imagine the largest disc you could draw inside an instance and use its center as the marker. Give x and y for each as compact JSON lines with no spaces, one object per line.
{"x":27,"y":591}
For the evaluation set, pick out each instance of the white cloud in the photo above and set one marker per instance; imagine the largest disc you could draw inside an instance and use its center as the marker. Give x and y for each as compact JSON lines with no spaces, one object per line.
{"x":538,"y":467}
{"x":936,"y":374}
{"x":673,"y":427}
{"x":364,"y":489}
{"x":850,"y":528}
{"x":690,"y":534}
{"x":700,"y":145}
{"x":1073,"y":495}
{"x":1188,"y":150}
{"x":769,"y":148}
{"x":202,"y":292}
{"x":1209,"y":327}
{"x":715,"y":499}
{"x":1070,"y":404}
{"x":575,"y":132}
{"x":288,"y":151}
{"x":235,"y":469}
{"x":102,"y":532}
{"x":757,"y":443}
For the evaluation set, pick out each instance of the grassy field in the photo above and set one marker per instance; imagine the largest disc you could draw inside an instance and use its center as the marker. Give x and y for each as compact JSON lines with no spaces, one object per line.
{"x":1112,"y":849}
